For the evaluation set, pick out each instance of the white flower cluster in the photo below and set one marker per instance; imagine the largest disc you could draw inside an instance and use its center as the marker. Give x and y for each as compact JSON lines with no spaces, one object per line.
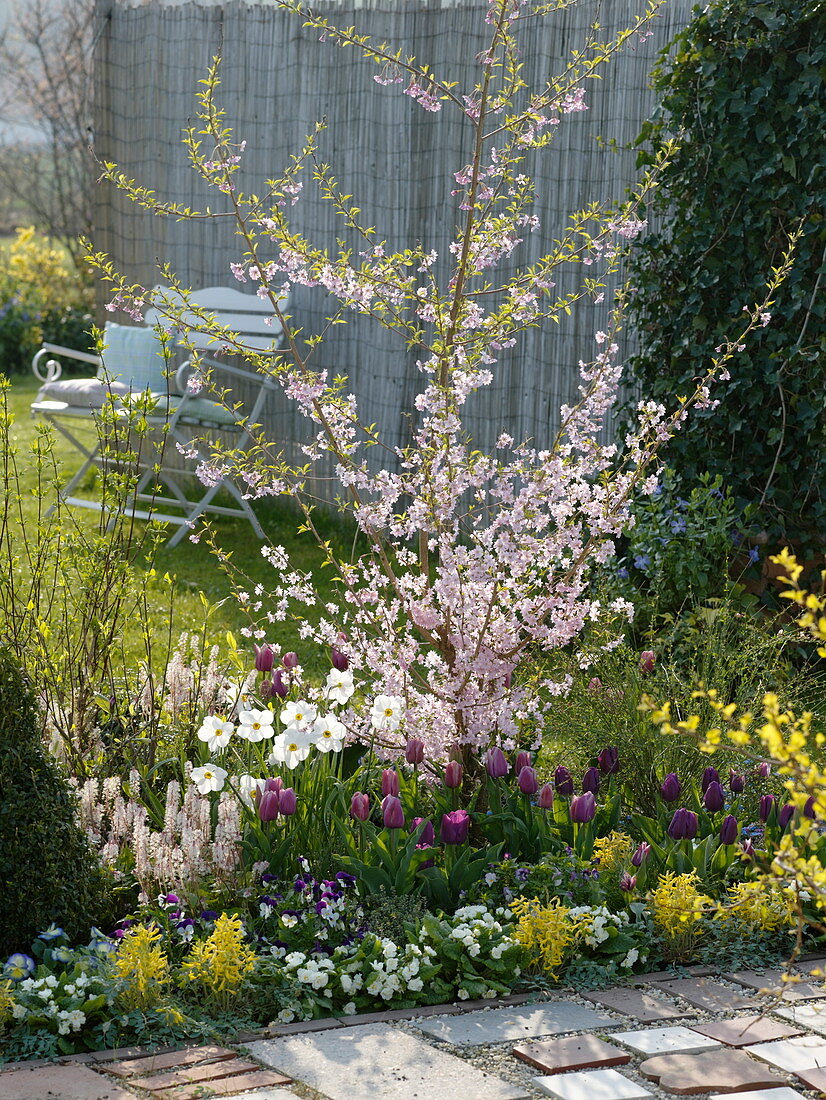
{"x":378,"y":967}
{"x":598,"y":924}
{"x":58,"y":1003}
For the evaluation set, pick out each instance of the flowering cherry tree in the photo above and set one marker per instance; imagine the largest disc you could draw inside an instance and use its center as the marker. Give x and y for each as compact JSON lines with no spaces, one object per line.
{"x":473,"y":558}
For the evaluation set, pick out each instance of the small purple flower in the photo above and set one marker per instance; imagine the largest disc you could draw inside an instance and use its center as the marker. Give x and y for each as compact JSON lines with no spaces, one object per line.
{"x":648,"y":659}
{"x":641,"y":854}
{"x":590,"y":780}
{"x":208,"y":915}
{"x":670,"y":787}
{"x":583,"y":808}
{"x":764,"y":770}
{"x":455,"y":827}
{"x":274,"y":686}
{"x":809,"y":808}
{"x":683,"y":825}
{"x":287,"y":802}
{"x":627,"y":882}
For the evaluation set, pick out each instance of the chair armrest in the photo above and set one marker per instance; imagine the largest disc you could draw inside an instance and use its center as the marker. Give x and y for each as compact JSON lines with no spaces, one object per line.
{"x":53,"y":368}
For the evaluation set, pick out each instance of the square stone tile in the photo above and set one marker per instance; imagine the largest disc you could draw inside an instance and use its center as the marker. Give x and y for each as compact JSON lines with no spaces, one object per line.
{"x":745,"y":1031}
{"x":637,"y":1003}
{"x":805,"y":1052}
{"x":599,"y":1084}
{"x":503,"y":1025}
{"x":665,"y":1040}
{"x":577,"y":1052}
{"x":784,"y":1093}
{"x":72,"y":1082}
{"x":721,"y":1069}
{"x":810,"y":1016}
{"x":772,"y":980}
{"x":379,"y":1060}
{"x":705,"y":994}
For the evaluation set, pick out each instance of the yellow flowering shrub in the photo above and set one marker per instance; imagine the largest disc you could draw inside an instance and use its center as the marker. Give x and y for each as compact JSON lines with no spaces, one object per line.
{"x":221,"y":962}
{"x":6,"y":1002}
{"x":763,"y":903}
{"x":546,"y":931}
{"x":142,"y":967}
{"x":42,"y":277}
{"x":613,"y":852}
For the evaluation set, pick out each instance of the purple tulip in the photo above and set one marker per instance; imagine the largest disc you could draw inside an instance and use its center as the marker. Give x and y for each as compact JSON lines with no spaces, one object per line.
{"x":427,"y":834}
{"x":414,"y":752}
{"x":670,"y":787}
{"x":545,"y":798}
{"x":496,"y":764}
{"x":729,"y":830}
{"x":276,"y":784}
{"x":287,"y":802}
{"x":736,"y":782}
{"x":339,"y":661}
{"x":453,"y":774}
{"x":276,"y":684}
{"x":714,"y":797}
{"x":590,"y":781}
{"x":528,"y":783}
{"x":765,"y":770}
{"x":647,"y":660}
{"x":608,"y":760}
{"x":390,"y":782}
{"x":710,"y":775}
{"x":583,"y":808}
{"x":747,"y":848}
{"x":392,"y":812}
{"x":683,"y":825}
{"x":264,"y":658}
{"x":455,"y":827}
{"x":785,"y":815}
{"x":641,"y":854}
{"x":360,"y":806}
{"x":290,"y":660}
{"x":269,"y":805}
{"x":627,"y":882}
{"x":523,"y":760}
{"x":563,"y":781}
{"x":809,"y":808}
{"x":766,"y":803}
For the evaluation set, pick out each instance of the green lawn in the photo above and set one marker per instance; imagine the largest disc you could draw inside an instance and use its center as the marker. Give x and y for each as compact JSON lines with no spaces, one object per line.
{"x":193,"y":569}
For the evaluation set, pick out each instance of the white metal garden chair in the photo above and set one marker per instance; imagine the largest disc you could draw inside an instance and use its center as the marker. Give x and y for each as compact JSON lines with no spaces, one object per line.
{"x":132,"y":364}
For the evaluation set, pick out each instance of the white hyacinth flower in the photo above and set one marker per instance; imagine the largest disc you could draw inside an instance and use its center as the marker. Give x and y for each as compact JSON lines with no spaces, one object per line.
{"x":208,"y":778}
{"x":256,"y":725}
{"x":291,"y":747}
{"x":387,"y":712}
{"x":339,"y":686}
{"x":299,"y":715}
{"x":329,"y":734}
{"x":216,"y":732}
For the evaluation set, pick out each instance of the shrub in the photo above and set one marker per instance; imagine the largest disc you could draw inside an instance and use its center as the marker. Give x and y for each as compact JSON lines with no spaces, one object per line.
{"x":744,"y":91}
{"x":47,"y":870}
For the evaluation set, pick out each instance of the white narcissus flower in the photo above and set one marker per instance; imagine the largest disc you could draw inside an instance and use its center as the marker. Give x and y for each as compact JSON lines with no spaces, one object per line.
{"x":329,"y":734}
{"x":387,"y":712}
{"x":339,"y":686}
{"x":216,"y":732}
{"x":255,"y":725}
{"x":291,"y":747}
{"x":246,"y":785}
{"x":208,"y":778}
{"x":298,"y":715}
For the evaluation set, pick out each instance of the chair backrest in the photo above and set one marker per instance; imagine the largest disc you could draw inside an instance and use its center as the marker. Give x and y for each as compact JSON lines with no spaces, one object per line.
{"x":133,"y":355}
{"x":245,"y":314}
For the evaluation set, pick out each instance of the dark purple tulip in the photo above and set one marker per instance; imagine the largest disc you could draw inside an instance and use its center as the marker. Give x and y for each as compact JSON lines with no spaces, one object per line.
{"x":264,"y":658}
{"x":392,"y":812}
{"x":427,"y":834}
{"x":455,"y":827}
{"x":590,"y":781}
{"x":523,"y":760}
{"x":276,"y":784}
{"x":453,"y":774}
{"x":496,"y":764}
{"x":643,"y":851}
{"x":507,"y":679}
{"x":647,"y":660}
{"x":608,"y":760}
{"x":670,"y":787}
{"x":583,"y":808}
{"x":785,"y":815}
{"x":268,"y":805}
{"x":563,"y":781}
{"x":729,"y":830}
{"x":360,"y":806}
{"x":766,"y":804}
{"x":414,"y":752}
{"x":545,"y":798}
{"x":765,"y":770}
{"x":683,"y":825}
{"x":714,"y":797}
{"x":627,"y":882}
{"x":737,"y":783}
{"x":747,"y":848}
{"x":710,"y":775}
{"x":287,"y":802}
{"x":809,"y":808}
{"x":390,"y":782}
{"x":528,"y":783}
{"x":290,"y":660}
{"x":277,"y":685}
{"x":339,"y":661}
